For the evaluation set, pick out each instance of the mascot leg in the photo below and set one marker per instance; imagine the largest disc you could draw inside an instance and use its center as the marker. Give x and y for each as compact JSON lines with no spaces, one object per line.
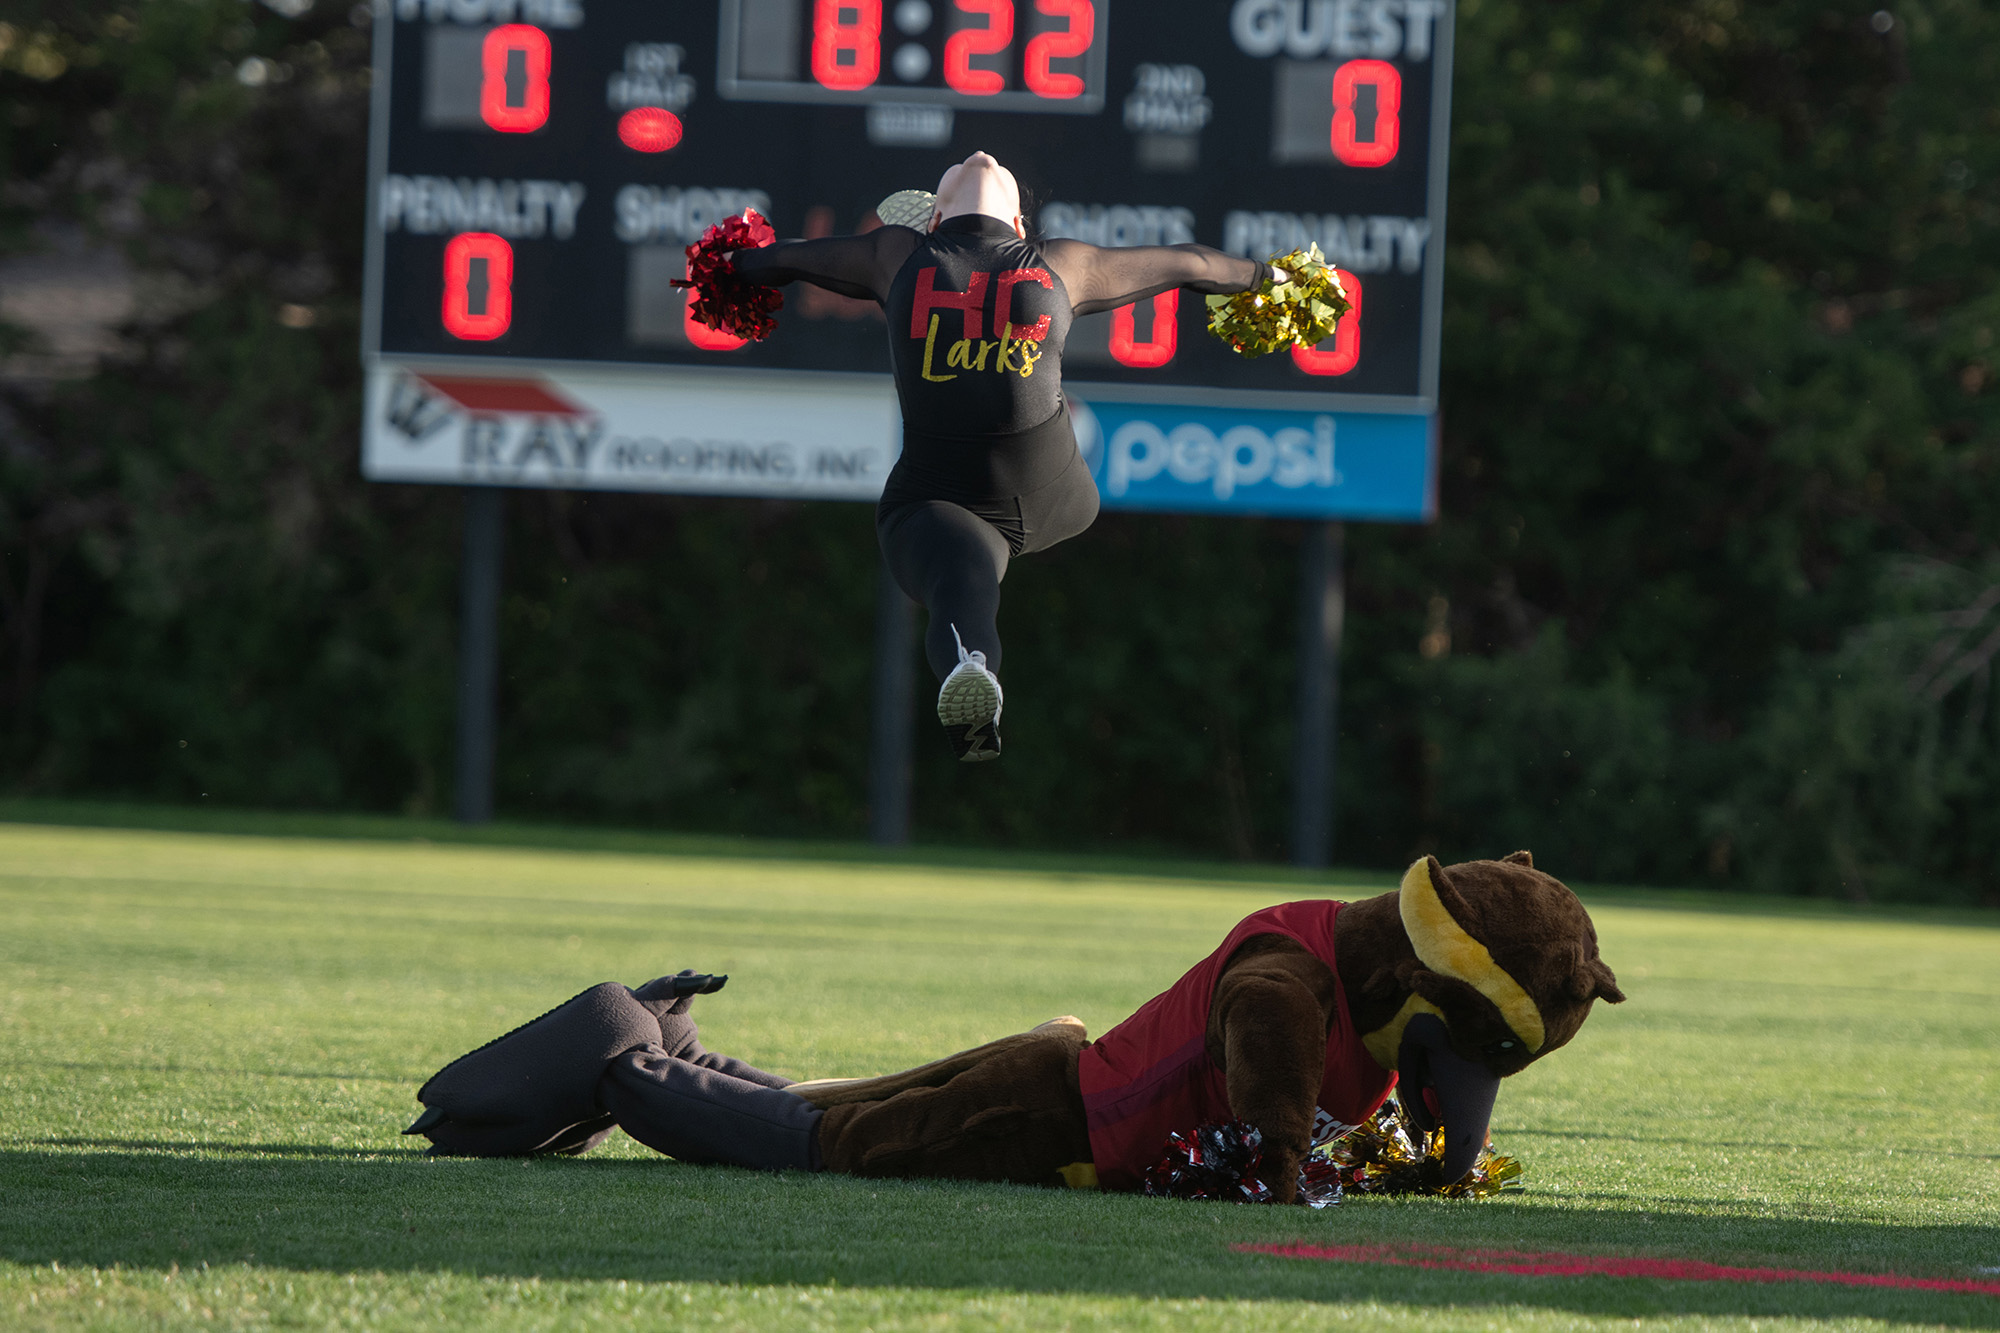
{"x":611,"y":1057}
{"x":730,"y":1065}
{"x":836,"y":1091}
{"x":678,"y":1036}
{"x":1015,"y":1116}
{"x":534,"y":1090}
{"x":705,"y":1115}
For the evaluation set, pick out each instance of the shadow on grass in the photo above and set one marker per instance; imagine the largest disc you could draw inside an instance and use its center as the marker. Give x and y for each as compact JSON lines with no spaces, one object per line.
{"x":145,"y":1205}
{"x":197,"y":1148}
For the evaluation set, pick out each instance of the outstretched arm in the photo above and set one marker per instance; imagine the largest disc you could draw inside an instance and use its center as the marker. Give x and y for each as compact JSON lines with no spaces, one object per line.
{"x":1099,"y":278}
{"x":861,"y":266}
{"x":1267,"y":1026}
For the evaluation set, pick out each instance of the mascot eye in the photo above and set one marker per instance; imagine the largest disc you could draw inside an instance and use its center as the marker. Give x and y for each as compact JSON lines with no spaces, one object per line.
{"x":1506,"y":1045}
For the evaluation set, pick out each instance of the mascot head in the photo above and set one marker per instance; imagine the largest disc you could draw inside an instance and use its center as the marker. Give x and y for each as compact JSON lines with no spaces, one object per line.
{"x":1497,"y":966}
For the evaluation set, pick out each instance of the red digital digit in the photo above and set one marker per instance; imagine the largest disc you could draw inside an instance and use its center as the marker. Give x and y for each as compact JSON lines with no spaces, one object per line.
{"x":859,"y":40}
{"x":514,"y":78}
{"x":478,"y":286}
{"x":963,"y":45}
{"x":1380,"y":149}
{"x":1041,"y":80}
{"x":1127,"y":351}
{"x":702,"y":336}
{"x":1345,"y":352}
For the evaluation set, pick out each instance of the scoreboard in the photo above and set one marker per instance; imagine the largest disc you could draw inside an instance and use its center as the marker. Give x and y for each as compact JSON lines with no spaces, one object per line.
{"x":539,"y":166}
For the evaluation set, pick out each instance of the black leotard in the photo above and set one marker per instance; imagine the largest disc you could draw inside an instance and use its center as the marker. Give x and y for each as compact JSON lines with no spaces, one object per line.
{"x":977,"y":322}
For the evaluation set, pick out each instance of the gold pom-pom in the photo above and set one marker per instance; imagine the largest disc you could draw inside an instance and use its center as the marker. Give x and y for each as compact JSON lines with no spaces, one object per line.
{"x":1381,"y":1157}
{"x":1301,"y":311}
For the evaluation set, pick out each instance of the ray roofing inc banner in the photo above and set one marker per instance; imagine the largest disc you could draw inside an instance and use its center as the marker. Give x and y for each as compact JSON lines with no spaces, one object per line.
{"x":835,"y":438}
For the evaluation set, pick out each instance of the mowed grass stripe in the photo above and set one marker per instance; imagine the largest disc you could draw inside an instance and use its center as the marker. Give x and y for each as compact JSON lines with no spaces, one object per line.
{"x":207,"y":1044}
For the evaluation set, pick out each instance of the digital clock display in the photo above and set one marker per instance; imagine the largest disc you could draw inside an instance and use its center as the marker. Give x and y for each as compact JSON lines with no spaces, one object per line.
{"x":539,"y":167}
{"x":1012,"y":55}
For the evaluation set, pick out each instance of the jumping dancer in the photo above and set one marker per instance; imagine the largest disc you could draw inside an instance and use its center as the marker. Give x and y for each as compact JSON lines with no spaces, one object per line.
{"x":977,"y":317}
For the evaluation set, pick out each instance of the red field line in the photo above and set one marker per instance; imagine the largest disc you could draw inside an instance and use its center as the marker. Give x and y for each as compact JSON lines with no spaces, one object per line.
{"x":1603,"y":1265}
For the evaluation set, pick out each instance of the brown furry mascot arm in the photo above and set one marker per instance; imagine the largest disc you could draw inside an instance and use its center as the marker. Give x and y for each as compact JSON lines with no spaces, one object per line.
{"x":1267,"y":1029}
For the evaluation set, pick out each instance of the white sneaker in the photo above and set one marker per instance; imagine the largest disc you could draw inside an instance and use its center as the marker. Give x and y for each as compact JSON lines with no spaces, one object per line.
{"x":969,"y":706}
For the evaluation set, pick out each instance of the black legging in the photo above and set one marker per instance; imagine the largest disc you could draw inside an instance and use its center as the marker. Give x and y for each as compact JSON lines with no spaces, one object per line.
{"x":989,"y":468}
{"x":951,"y":556}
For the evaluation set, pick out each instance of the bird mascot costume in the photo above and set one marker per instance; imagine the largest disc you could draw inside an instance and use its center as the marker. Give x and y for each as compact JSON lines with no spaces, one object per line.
{"x":1299,"y":1023}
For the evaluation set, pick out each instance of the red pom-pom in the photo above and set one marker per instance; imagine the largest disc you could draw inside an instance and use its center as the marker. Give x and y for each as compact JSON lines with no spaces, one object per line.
{"x":1221,"y":1161}
{"x":722,"y":300}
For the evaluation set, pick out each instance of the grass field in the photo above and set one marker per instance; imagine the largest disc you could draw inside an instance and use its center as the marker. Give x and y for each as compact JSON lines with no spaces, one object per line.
{"x":208,"y":1043}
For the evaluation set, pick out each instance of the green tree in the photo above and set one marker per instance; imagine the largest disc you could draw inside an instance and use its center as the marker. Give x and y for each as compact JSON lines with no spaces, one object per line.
{"x":1720,"y":299}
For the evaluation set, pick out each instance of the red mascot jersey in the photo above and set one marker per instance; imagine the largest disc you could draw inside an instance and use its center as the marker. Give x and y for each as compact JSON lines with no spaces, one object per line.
{"x":1151,"y":1075}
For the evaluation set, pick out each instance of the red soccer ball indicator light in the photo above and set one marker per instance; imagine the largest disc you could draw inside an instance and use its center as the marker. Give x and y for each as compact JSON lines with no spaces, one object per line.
{"x":649,"y":129}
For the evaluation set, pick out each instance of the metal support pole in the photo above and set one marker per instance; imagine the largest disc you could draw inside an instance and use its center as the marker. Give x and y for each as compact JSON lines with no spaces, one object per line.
{"x":891,"y":730}
{"x":478,"y":652}
{"x":1322,"y":612}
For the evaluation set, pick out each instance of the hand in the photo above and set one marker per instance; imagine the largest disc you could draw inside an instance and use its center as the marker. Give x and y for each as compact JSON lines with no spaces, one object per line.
{"x":1279,"y":275}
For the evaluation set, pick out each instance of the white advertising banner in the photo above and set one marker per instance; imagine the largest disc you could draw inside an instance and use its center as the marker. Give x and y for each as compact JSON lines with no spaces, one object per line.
{"x":803,"y":436}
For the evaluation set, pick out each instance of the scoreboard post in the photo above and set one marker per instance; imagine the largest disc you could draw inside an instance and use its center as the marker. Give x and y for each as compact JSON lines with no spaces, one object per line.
{"x":538,"y":166}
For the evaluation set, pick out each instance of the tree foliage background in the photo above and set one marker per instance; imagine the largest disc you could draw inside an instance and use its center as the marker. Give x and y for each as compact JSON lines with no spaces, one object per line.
{"x":1715,"y":591}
